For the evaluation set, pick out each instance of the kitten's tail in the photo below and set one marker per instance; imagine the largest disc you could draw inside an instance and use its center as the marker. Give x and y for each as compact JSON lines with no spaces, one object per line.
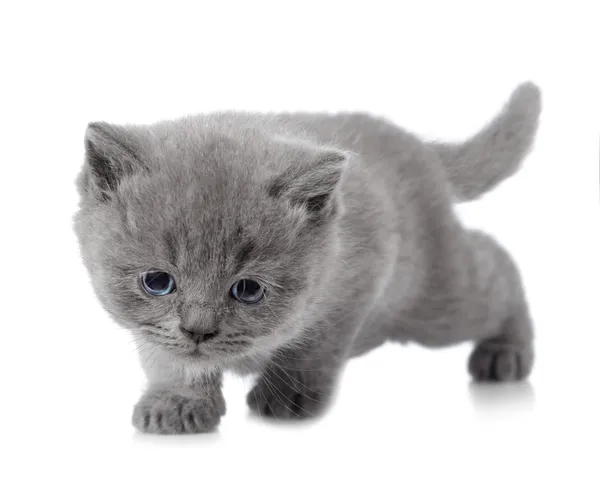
{"x":496,"y":152}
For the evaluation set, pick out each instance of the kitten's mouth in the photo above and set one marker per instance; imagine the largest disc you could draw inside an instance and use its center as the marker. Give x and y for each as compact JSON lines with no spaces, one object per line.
{"x":207,"y":357}
{"x":204,"y":349}
{"x":213,"y":350}
{"x":196,"y":353}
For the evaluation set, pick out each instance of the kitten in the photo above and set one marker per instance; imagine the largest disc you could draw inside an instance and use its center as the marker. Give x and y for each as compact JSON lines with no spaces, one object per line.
{"x":286,"y":244}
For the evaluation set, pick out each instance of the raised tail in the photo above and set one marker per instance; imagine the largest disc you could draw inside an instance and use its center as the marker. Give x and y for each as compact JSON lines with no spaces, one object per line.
{"x":496,"y":152}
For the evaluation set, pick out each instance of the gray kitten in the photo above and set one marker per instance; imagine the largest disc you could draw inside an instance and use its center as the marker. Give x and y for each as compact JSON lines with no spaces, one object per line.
{"x":286,"y":244}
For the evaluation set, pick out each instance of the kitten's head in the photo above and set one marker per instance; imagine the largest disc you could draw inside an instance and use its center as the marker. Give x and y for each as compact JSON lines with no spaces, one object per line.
{"x":208,"y":241}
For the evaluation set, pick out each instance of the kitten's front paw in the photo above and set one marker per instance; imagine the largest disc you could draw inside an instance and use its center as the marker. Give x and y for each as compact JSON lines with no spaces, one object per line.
{"x":178,"y":412}
{"x":288,"y":398}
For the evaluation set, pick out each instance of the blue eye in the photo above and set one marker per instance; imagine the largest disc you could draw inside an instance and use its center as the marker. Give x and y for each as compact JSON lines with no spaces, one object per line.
{"x":247,"y":291}
{"x":158,"y":283}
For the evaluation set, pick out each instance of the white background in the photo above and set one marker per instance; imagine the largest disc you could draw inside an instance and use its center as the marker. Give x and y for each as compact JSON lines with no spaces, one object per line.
{"x":70,"y":377}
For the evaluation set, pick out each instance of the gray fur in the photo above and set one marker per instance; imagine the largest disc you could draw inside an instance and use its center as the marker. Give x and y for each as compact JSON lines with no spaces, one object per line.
{"x":346,"y":219}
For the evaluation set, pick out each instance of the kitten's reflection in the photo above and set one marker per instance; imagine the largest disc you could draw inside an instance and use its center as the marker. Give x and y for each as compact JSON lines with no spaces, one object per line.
{"x":174,"y":440}
{"x":502,"y":396}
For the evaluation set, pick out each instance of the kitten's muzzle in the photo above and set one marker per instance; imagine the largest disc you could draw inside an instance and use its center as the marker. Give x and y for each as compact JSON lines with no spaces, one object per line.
{"x":198,"y":335}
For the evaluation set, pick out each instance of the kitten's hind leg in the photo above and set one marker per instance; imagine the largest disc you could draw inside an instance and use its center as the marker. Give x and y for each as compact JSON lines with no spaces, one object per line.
{"x":500,"y":360}
{"x":472,"y":292}
{"x":507,"y":353}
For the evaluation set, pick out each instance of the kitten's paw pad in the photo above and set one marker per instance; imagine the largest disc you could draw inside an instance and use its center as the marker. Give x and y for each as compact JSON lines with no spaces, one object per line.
{"x":164,"y":412}
{"x":282,"y":401}
{"x":498,"y":362}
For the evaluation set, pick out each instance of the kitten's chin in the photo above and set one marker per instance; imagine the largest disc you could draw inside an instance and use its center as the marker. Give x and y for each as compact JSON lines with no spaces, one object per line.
{"x":196,"y":360}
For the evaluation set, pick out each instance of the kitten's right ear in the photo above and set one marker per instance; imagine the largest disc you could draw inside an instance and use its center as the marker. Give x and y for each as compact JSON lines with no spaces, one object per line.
{"x":111,"y":153}
{"x":312,"y":184}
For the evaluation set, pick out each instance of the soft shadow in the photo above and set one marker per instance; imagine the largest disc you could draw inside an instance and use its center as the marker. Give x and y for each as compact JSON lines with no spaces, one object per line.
{"x":175,"y":440}
{"x":291,"y":423}
{"x":502,"y":396}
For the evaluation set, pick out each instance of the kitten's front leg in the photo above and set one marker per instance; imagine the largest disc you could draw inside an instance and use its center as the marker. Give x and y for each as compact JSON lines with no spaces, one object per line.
{"x":296,"y":384}
{"x":174,"y":405}
{"x":179,"y":410}
{"x":300,"y":382}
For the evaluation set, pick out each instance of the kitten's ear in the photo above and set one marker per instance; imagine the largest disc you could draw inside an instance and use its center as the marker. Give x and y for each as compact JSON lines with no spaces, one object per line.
{"x":312,"y":185}
{"x":111,"y":153}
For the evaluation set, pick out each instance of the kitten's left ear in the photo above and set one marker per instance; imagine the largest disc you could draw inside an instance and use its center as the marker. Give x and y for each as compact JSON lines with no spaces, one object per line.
{"x":313,"y":184}
{"x":112,"y":152}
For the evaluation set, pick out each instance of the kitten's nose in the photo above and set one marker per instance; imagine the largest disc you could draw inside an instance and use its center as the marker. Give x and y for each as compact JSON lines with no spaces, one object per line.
{"x":198,"y":335}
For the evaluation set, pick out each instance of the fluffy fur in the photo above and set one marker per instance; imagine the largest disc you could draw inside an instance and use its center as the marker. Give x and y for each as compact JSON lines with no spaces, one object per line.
{"x":346,"y":219}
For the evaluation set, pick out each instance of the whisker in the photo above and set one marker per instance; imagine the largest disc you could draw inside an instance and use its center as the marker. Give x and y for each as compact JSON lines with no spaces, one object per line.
{"x":287,"y":399}
{"x":256,"y":401}
{"x":266,"y":401}
{"x":270,"y":385}
{"x":289,"y":368}
{"x":144,"y":363}
{"x":292,"y":387}
{"x":139,"y":348}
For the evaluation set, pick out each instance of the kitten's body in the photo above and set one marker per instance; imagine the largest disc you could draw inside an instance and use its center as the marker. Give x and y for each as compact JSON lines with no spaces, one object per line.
{"x":355,"y":249}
